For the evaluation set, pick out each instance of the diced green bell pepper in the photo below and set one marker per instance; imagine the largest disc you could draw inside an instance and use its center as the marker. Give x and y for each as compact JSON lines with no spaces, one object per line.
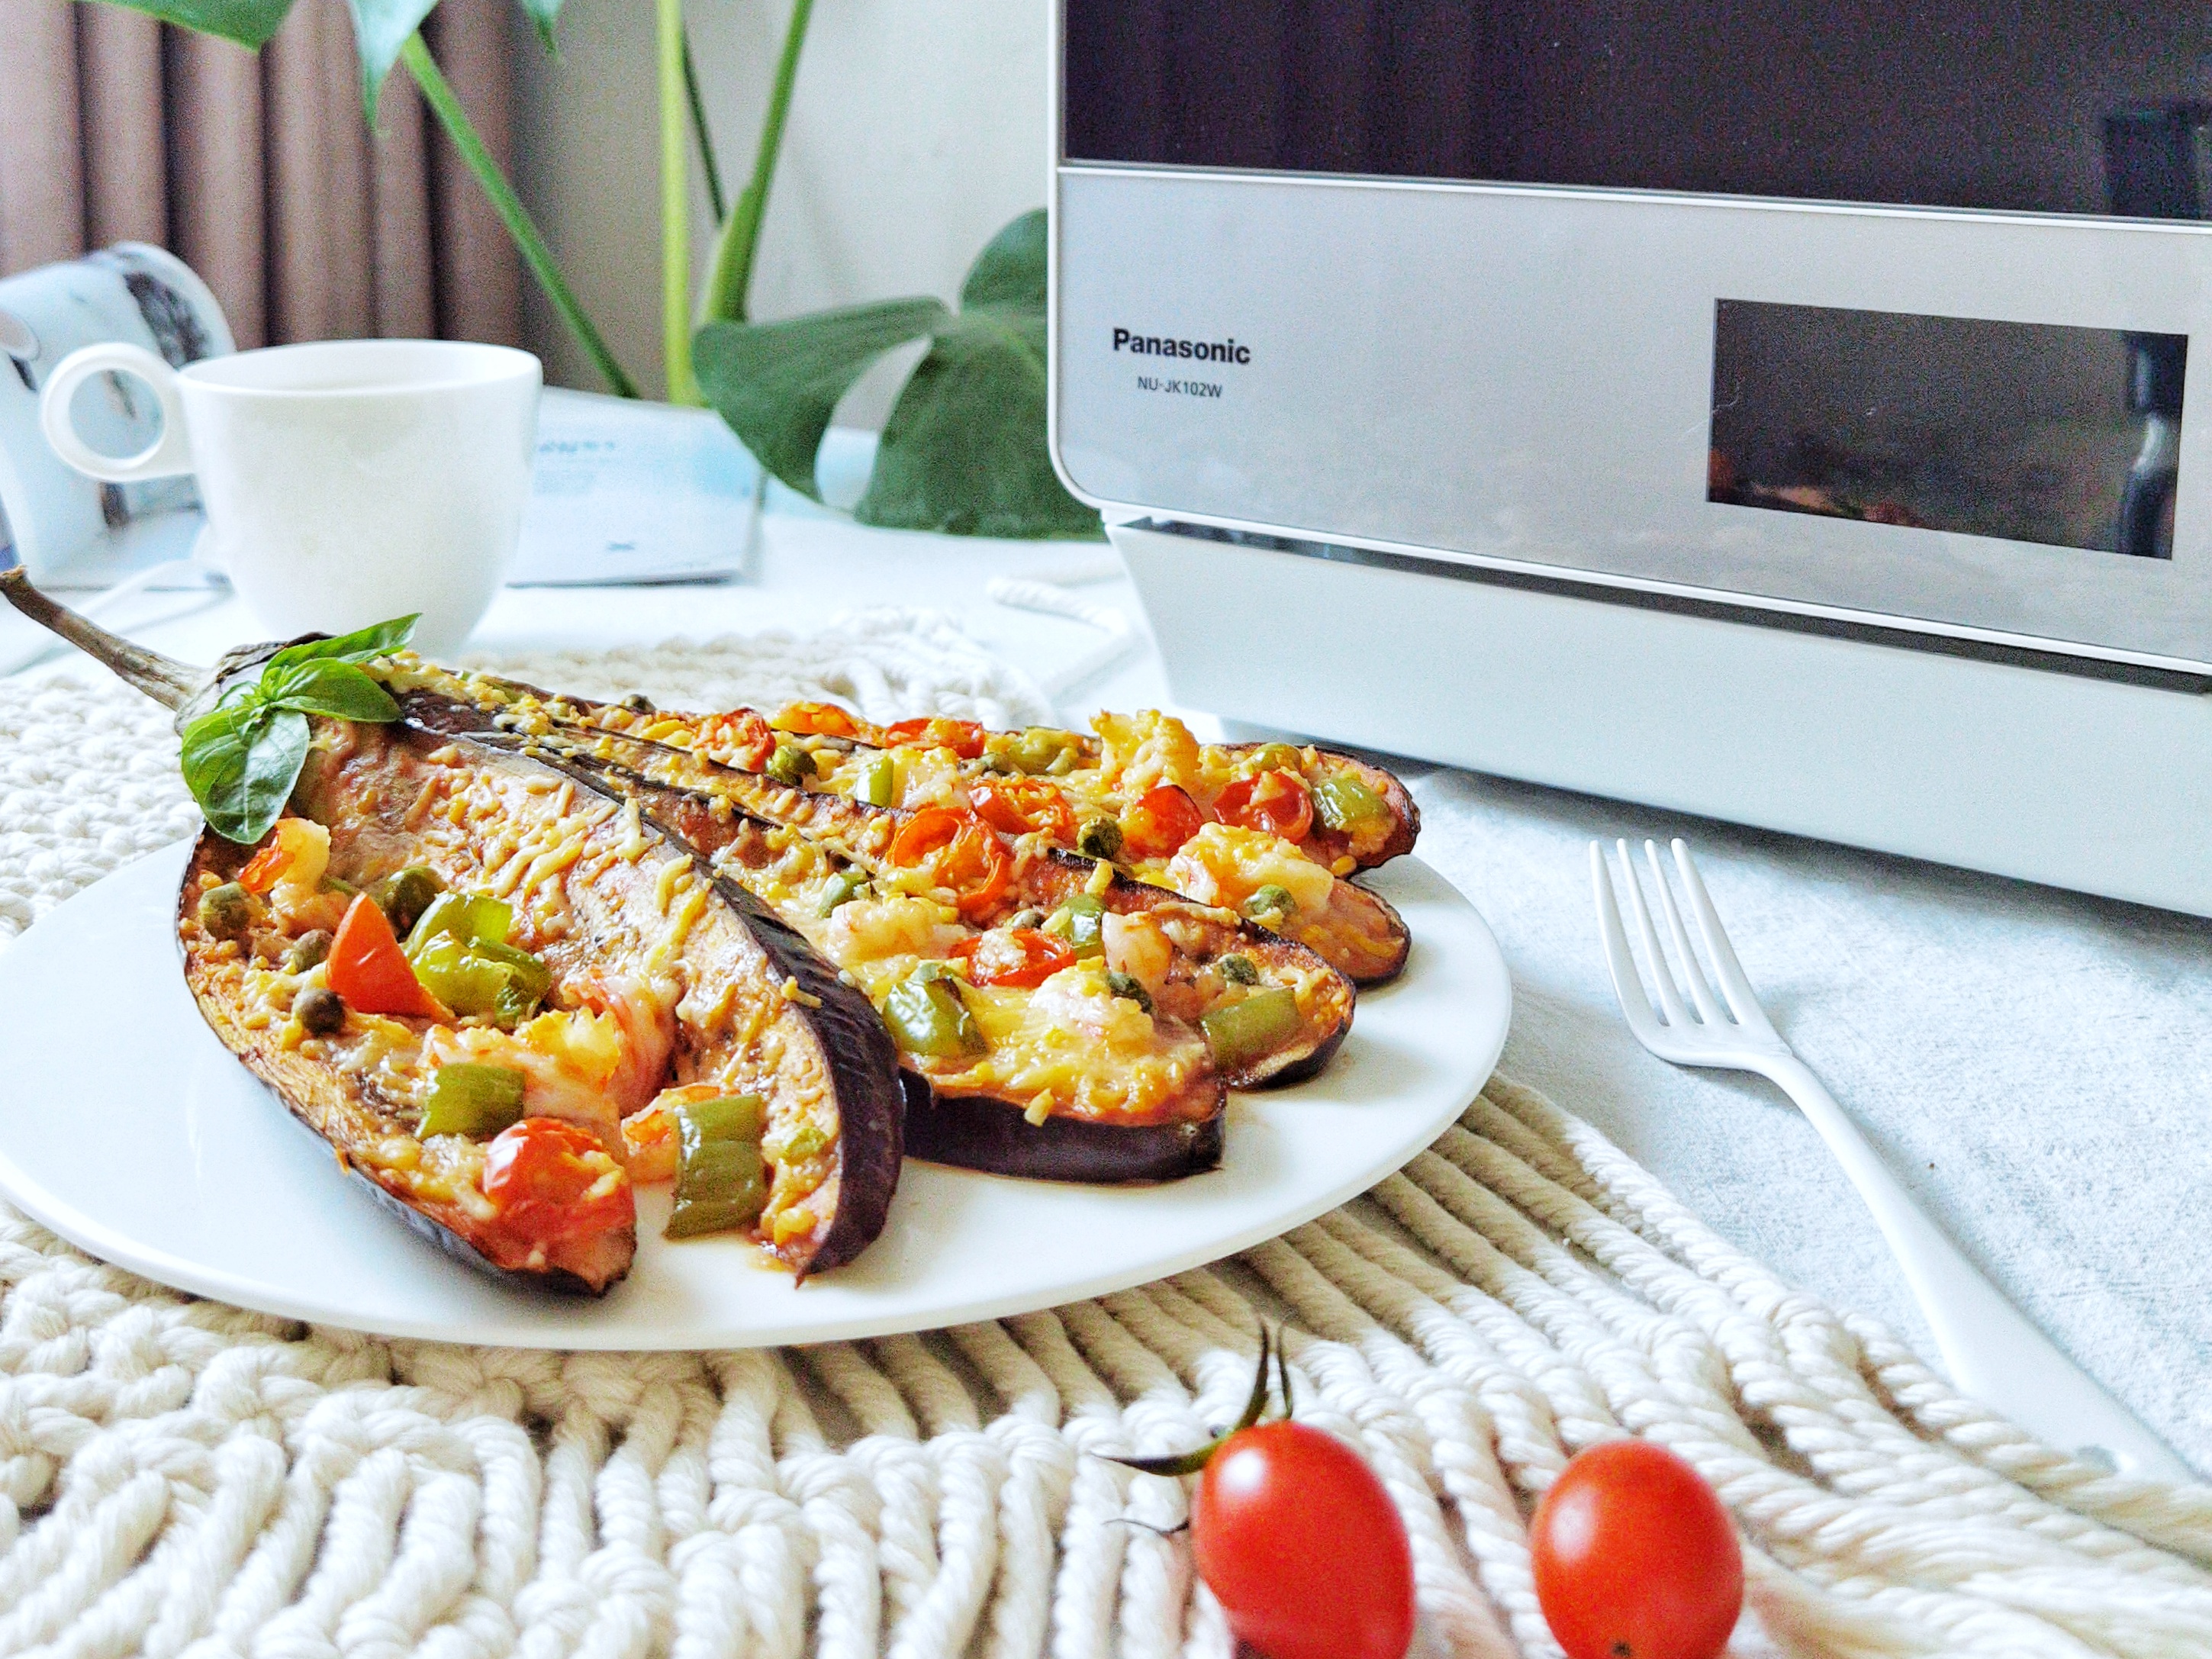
{"x":469,"y":1099}
{"x":1346,"y":803}
{"x":878,"y":782}
{"x":1079,"y":921}
{"x":843,"y":887}
{"x":464,"y":981}
{"x":1241,"y":1031}
{"x":721,"y":1183}
{"x":927,"y":1017}
{"x":458,"y":950}
{"x":1036,"y":749}
{"x":470,"y":918}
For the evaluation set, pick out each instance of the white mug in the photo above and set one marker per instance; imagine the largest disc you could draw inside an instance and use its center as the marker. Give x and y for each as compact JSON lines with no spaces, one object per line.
{"x":345,"y":481}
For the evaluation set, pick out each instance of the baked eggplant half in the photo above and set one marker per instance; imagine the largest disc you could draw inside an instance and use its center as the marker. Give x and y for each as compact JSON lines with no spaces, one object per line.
{"x":1071,"y":1023}
{"x":477,"y":975}
{"x":1333,"y":806}
{"x":1248,"y":839}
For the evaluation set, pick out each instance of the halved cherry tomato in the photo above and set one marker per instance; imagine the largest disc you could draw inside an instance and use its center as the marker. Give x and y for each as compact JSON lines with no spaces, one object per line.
{"x":1276,"y":802}
{"x":265,"y":868}
{"x":1018,"y":805}
{"x":964,"y":738}
{"x":367,"y":968}
{"x":1160,"y":823}
{"x":816,"y":720}
{"x":741,"y":735}
{"x":969,"y":856}
{"x":1021,"y":957}
{"x":1633,"y":1554}
{"x":1303,"y":1549}
{"x":541,"y":1173}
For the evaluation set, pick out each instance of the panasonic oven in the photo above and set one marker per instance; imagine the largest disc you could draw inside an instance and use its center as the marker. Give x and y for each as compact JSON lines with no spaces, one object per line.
{"x":1780,"y":411}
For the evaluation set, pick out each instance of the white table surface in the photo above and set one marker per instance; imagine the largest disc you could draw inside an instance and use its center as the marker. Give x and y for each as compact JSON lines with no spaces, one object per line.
{"x":2036,"y":1065}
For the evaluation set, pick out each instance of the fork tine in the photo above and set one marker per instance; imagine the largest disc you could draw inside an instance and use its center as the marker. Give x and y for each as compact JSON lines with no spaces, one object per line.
{"x":1627,"y":985}
{"x":1734,"y":985}
{"x":1662,"y":977}
{"x":1708,"y":1007}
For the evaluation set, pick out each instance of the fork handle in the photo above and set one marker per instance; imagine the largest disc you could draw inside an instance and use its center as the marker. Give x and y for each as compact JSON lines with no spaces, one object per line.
{"x":1993,"y":1352}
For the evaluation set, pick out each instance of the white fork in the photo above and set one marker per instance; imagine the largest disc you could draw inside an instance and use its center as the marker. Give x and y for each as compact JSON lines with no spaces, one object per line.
{"x":1993,"y":1352}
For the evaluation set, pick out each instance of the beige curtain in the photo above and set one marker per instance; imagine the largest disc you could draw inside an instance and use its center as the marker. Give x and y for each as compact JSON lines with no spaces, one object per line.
{"x":260,"y":172}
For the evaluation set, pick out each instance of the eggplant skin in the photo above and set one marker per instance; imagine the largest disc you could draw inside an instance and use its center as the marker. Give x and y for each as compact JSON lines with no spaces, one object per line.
{"x":976,"y":1131}
{"x":311,"y":1094}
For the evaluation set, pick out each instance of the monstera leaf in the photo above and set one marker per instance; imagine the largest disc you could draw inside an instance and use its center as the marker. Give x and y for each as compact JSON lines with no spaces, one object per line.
{"x":380,"y":28}
{"x":964,"y":448}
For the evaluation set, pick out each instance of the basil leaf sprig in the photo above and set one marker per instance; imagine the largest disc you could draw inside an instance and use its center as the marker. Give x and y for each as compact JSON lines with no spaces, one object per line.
{"x":242,"y":756}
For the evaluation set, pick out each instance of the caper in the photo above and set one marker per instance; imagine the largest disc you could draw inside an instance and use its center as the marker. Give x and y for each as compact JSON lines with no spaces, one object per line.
{"x":320,"y":1012}
{"x":226,"y":911}
{"x":1128,"y":985}
{"x":791,"y":764}
{"x":1239,"y":968}
{"x":1269,"y":903}
{"x":405,"y":894}
{"x":1101,"y":838}
{"x":1031,"y":918}
{"x":638,"y":703}
{"x":307,"y":950}
{"x":845,"y":886}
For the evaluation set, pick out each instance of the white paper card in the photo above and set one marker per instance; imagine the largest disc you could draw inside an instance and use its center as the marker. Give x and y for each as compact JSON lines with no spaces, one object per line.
{"x":631,"y":492}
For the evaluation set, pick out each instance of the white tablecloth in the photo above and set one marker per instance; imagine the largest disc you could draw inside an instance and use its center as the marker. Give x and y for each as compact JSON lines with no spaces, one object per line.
{"x":2035,"y":1064}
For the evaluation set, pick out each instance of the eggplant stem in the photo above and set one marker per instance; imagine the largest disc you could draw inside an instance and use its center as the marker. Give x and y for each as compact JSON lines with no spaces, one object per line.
{"x":168,"y":681}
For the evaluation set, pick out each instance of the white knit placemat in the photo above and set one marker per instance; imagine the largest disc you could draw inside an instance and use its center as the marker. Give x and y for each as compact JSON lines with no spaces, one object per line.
{"x":179,"y":1476}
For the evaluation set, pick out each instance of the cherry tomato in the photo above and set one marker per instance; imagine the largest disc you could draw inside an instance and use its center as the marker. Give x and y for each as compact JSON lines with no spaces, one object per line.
{"x":1634,"y":1555}
{"x":1019,"y":957}
{"x":367,"y":968}
{"x":1276,"y":802}
{"x":964,"y":738}
{"x":741,"y":736}
{"x":1302,"y":1546}
{"x":265,"y":868}
{"x":553,"y":1180}
{"x":1018,"y":805}
{"x":968,"y":855}
{"x":818,"y":719}
{"x":1160,"y":823}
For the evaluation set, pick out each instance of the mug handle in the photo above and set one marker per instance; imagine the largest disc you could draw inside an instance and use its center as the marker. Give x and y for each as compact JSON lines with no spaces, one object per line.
{"x":167,"y":457}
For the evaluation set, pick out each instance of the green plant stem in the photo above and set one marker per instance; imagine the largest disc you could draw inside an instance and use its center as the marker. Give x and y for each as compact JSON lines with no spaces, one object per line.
{"x":715,"y":200}
{"x":512,"y":213}
{"x":675,"y":208}
{"x":729,"y":288}
{"x":535,"y":254}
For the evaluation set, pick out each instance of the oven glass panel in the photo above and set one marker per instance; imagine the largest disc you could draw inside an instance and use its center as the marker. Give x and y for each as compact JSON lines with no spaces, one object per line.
{"x":2027,"y":432}
{"x":2048,"y":106}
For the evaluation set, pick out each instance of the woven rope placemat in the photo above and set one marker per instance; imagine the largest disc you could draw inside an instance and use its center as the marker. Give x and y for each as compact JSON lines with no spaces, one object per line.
{"x":178,"y":1476}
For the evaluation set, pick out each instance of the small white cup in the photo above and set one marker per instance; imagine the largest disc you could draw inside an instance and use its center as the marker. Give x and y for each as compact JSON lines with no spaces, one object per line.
{"x":346,"y":481}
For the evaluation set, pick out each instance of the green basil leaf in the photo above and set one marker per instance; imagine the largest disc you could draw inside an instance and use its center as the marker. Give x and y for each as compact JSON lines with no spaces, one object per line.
{"x":363,"y":644}
{"x":240,"y":761}
{"x":322,"y":686}
{"x":776,"y":383}
{"x":249,"y":22}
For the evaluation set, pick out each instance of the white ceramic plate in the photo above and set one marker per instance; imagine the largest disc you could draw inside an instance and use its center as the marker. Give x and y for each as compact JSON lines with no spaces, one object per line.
{"x":128,"y":1130}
